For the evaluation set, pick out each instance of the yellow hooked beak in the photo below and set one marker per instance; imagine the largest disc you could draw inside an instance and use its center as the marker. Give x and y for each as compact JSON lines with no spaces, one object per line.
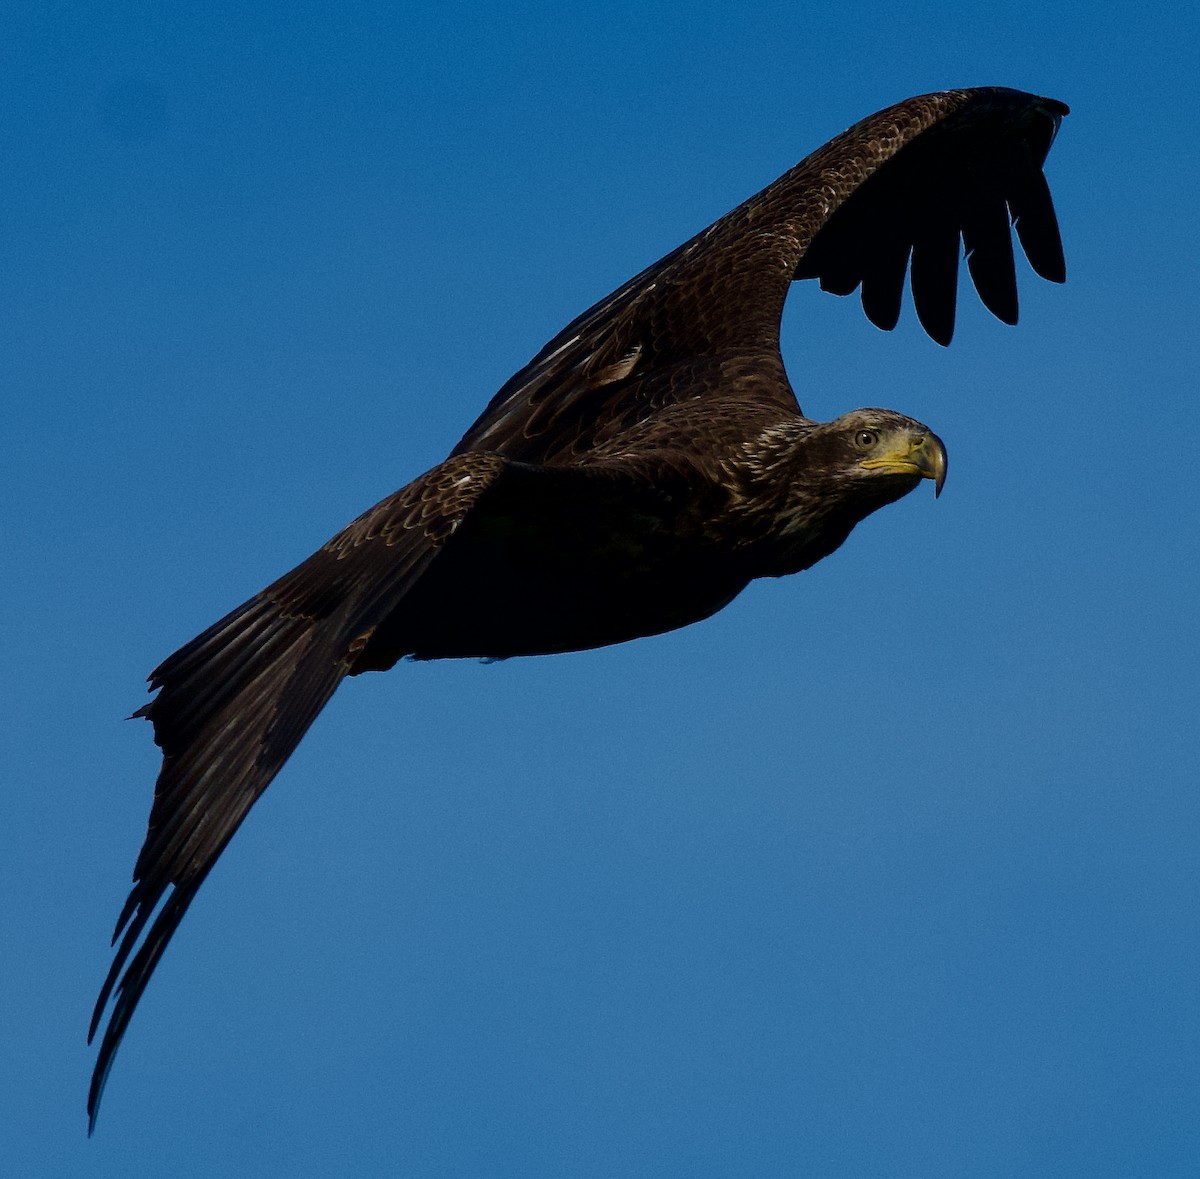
{"x":914,"y":454}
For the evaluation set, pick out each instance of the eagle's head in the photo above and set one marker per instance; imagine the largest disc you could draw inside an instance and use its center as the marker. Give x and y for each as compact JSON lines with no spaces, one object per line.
{"x":814,"y":481}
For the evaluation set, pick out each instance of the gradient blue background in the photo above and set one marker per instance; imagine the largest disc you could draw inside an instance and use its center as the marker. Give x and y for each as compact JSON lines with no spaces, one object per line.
{"x":888,"y":870}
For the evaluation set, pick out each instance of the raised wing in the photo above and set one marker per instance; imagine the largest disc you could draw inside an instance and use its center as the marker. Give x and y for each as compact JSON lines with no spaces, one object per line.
{"x":915,"y":179}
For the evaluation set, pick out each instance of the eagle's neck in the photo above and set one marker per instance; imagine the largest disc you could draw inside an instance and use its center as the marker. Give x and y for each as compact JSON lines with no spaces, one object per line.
{"x":798,"y":503}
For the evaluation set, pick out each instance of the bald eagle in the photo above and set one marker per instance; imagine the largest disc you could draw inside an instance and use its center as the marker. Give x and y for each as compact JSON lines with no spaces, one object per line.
{"x":646,"y":465}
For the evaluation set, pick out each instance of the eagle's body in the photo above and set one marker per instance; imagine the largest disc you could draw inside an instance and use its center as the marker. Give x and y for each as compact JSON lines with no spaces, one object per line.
{"x":641,"y":538}
{"x":634,"y":477}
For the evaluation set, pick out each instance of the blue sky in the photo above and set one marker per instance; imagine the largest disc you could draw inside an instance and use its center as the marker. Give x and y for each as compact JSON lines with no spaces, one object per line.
{"x":889,"y":869}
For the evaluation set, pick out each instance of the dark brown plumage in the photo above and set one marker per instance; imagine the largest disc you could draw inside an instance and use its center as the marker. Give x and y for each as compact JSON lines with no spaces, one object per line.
{"x":647,"y":464}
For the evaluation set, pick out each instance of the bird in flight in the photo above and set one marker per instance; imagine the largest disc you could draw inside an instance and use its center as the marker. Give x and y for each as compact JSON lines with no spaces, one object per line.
{"x":646,"y":465}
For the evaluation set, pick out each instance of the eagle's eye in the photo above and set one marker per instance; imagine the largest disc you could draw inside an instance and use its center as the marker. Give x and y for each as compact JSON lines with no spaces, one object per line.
{"x":865,"y":439}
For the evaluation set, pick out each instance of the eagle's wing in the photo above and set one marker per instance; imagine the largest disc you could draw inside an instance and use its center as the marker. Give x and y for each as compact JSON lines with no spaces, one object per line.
{"x":914,"y":179}
{"x":234,"y":703}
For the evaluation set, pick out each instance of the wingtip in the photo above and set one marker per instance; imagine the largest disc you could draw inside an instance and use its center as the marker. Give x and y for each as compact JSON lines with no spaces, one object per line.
{"x":95,"y":1092}
{"x":96,"y":1089}
{"x":938,"y":325}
